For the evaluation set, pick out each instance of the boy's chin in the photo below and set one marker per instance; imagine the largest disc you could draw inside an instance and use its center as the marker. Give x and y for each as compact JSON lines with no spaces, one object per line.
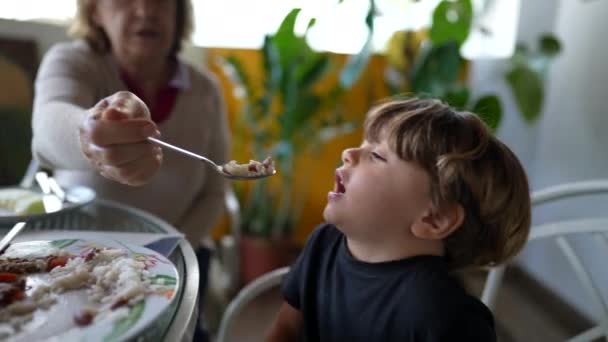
{"x":329,"y":215}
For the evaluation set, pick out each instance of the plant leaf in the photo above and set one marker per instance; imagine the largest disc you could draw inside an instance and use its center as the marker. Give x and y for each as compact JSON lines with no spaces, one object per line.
{"x":234,"y":70}
{"x":436,"y":70}
{"x":527,"y":88}
{"x":452,"y":21}
{"x":295,"y":117}
{"x":489,"y":109}
{"x":549,"y":45}
{"x":357,"y":63}
{"x":290,"y":47}
{"x":272,"y":68}
{"x":457,"y":96}
{"x":311,"y":23}
{"x":313,"y":71}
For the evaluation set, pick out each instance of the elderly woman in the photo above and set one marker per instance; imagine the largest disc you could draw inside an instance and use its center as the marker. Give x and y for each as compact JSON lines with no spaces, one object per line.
{"x":90,"y":128}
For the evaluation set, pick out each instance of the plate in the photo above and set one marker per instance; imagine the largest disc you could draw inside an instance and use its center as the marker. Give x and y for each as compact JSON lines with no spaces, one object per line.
{"x":57,"y":322}
{"x":76,"y":196}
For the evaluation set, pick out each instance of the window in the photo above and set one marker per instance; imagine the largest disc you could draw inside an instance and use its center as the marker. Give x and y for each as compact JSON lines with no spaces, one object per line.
{"x":340,"y":27}
{"x":55,"y":10}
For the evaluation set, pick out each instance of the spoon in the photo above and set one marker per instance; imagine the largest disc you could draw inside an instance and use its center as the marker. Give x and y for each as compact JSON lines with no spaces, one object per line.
{"x":218,"y":168}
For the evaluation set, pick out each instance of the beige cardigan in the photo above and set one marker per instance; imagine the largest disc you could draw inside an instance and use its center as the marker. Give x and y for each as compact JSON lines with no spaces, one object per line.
{"x":72,"y":78}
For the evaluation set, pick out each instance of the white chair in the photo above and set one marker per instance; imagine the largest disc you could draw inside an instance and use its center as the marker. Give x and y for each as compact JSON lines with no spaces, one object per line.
{"x":560,"y":231}
{"x":247,"y":294}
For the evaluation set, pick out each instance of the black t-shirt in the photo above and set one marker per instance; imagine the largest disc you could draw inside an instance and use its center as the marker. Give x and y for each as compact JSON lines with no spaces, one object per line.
{"x":413,"y":299}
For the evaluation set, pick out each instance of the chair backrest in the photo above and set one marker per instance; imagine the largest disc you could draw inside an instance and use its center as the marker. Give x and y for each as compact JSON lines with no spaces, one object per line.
{"x":561,"y":231}
{"x":245,"y":296}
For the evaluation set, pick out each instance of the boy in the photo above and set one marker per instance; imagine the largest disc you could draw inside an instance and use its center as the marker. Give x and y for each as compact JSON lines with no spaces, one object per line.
{"x":429,"y":191}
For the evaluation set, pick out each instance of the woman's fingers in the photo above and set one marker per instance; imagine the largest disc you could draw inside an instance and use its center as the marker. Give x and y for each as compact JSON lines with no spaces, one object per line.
{"x":118,"y":155}
{"x":113,"y":138}
{"x":129,"y":104}
{"x":137,"y":172}
{"x":104,"y":132}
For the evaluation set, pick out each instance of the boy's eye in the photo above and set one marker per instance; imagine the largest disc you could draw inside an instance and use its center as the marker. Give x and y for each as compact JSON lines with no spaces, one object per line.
{"x":377,"y":156}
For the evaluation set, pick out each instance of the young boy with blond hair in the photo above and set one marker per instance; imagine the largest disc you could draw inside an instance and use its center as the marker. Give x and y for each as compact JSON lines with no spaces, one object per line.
{"x":429,"y":191}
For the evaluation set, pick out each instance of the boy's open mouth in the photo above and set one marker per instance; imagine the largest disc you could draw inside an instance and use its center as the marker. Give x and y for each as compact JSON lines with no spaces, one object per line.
{"x":339,"y":185}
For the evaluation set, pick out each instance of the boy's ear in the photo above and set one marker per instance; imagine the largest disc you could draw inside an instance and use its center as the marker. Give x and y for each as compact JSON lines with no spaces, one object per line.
{"x":437,"y":224}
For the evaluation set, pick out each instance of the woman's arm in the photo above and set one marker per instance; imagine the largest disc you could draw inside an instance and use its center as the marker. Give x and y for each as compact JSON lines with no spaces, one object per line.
{"x":287,"y":326}
{"x":62,"y":97}
{"x":69,"y":132}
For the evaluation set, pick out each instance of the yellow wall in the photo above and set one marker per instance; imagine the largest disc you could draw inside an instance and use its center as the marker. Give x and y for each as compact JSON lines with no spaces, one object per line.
{"x":17,"y":88}
{"x":316,"y":173}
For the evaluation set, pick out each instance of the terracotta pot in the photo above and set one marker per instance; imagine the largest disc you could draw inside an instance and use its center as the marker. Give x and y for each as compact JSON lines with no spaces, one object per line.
{"x":259,"y":256}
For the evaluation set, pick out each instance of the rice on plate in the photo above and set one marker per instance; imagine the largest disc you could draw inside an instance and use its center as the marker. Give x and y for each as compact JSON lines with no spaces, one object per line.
{"x":75,"y":289}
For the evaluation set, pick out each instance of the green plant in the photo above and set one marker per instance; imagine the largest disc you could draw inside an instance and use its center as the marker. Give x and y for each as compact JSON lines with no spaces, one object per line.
{"x":284,"y":118}
{"x":436,"y":66}
{"x":527,"y":70}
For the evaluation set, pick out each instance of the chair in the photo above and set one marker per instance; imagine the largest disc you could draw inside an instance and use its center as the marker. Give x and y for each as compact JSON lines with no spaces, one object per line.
{"x":224,"y":275}
{"x":560,"y":231}
{"x":246,"y":296}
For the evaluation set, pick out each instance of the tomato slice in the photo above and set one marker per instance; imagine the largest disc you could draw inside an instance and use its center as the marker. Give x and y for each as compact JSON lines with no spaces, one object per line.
{"x":7,"y":277}
{"x":57,"y":261}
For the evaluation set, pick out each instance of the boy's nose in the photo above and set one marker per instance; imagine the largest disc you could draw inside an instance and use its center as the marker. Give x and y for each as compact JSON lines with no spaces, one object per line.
{"x":143,"y":8}
{"x":350,"y":155}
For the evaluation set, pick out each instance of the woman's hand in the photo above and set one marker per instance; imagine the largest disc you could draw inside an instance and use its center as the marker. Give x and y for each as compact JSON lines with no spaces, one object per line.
{"x":113,"y":138}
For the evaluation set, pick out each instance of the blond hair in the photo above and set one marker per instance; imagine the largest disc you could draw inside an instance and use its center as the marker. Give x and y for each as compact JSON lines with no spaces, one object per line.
{"x":468,"y":165}
{"x":83,"y":26}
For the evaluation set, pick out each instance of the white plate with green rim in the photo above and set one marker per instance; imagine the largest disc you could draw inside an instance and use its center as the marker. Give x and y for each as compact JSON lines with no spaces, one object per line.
{"x":21,"y":204}
{"x":125,"y":322}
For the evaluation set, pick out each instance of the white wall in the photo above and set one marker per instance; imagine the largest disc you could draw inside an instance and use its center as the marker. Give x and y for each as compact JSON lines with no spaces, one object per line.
{"x":487,"y":76}
{"x":572,"y":142}
{"x":569,"y":142}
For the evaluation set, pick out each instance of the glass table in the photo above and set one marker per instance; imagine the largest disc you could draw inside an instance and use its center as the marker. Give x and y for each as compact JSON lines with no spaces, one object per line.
{"x":179,"y":321}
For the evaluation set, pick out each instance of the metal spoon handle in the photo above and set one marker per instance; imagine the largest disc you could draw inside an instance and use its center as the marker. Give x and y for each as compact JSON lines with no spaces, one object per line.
{"x":181,"y":150}
{"x":217,"y":168}
{"x":6,"y":240}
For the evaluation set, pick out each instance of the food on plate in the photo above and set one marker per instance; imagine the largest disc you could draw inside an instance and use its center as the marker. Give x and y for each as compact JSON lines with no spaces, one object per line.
{"x":31,"y":265}
{"x":251,"y":169}
{"x":112,"y":281}
{"x":15,"y":201}
{"x":12,"y":288}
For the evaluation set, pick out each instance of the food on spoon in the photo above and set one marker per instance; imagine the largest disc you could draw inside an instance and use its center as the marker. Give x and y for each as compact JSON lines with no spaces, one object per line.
{"x":252,"y":169}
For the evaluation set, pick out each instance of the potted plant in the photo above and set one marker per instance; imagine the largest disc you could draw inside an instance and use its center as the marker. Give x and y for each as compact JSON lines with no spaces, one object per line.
{"x":287,"y":116}
{"x":429,"y":62}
